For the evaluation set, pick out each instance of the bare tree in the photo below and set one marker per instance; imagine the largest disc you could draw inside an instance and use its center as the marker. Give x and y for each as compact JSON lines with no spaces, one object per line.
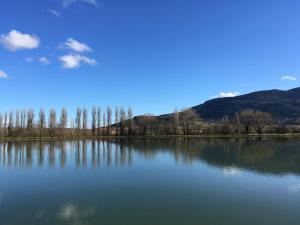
{"x":122,"y":121}
{"x":78,"y":120}
{"x":30,"y":121}
{"x":189,"y":118}
{"x":5,"y":120}
{"x":84,"y":119}
{"x":117,"y":121}
{"x":10,"y":124}
{"x":109,"y":115}
{"x":226,"y":127}
{"x":1,"y":124}
{"x":104,"y":124}
{"x":72,"y":125}
{"x":42,"y":121}
{"x":17,"y":123}
{"x":23,"y":118}
{"x":98,"y":121}
{"x":246,"y":118}
{"x":52,"y":122}
{"x":237,"y":123}
{"x":63,"y":120}
{"x":175,"y":121}
{"x":94,"y":120}
{"x":130,"y":120}
{"x":23,"y":121}
{"x":149,"y":122}
{"x":261,"y":120}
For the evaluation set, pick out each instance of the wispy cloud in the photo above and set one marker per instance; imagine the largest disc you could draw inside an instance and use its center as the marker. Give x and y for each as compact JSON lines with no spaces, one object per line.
{"x":54,"y":12}
{"x":72,"y":61}
{"x":75,"y":46}
{"x":16,"y":40}
{"x":226,"y":94}
{"x":44,"y":60}
{"x":93,"y":2}
{"x":3,"y":74}
{"x":289,"y":78}
{"x":29,"y":59}
{"x":67,"y":3}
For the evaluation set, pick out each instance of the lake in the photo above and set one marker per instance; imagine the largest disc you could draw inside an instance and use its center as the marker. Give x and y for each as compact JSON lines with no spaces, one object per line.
{"x":151,"y":181}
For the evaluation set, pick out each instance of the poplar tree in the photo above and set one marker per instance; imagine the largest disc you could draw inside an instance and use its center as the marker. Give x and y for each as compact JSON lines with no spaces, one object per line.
{"x":130,"y":120}
{"x":10,"y":124}
{"x":52,"y":122}
{"x":84,"y":119}
{"x":109,"y":114}
{"x":94,"y":120}
{"x":104,"y":124}
{"x":122,"y":120}
{"x":30,"y":121}
{"x":42,"y":121}
{"x":78,"y":120}
{"x":117,"y":121}
{"x":17,"y":123}
{"x":63,"y":120}
{"x":1,"y":123}
{"x":98,"y":121}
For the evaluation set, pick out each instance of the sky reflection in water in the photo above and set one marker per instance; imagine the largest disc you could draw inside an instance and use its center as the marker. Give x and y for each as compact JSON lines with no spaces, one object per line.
{"x":150,"y":181}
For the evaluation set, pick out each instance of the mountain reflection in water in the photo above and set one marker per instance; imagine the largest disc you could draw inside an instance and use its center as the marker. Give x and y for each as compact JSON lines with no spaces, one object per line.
{"x":259,"y":155}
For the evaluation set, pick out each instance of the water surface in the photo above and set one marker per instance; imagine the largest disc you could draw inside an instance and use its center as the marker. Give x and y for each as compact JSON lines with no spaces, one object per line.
{"x":150,"y":181}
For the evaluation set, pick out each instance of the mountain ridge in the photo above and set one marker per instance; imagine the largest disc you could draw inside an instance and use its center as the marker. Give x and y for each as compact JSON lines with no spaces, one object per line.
{"x":283,"y":105}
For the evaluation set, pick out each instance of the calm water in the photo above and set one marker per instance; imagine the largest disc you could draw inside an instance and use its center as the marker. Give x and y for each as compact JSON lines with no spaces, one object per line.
{"x":158,"y":181}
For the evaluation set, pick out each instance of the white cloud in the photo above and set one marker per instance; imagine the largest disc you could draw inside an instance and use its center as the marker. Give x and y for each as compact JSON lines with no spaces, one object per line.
{"x":75,"y":46}
{"x":16,"y":40}
{"x":290,"y":78}
{"x":93,"y":2}
{"x":232,"y":171}
{"x":3,"y":74}
{"x":44,"y":60}
{"x":67,"y":3}
{"x":226,"y":94}
{"x":71,"y":61}
{"x":54,"y":12}
{"x":29,"y":59}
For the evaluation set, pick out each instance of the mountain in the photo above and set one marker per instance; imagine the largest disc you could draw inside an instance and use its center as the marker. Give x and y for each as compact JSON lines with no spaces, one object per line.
{"x":282,"y":105}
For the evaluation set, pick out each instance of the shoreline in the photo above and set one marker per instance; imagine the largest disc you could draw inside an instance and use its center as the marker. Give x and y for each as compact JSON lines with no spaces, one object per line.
{"x":57,"y":138}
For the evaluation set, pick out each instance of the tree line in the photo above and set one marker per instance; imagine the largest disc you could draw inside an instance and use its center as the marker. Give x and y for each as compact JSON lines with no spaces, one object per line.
{"x":121,"y":122}
{"x":26,"y":123}
{"x":188,"y":122}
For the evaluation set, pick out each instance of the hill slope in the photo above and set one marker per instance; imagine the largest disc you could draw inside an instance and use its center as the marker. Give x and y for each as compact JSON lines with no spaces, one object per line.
{"x":282,"y":105}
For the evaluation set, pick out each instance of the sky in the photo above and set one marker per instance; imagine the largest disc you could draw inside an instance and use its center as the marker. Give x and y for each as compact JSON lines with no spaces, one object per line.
{"x":152,"y":55}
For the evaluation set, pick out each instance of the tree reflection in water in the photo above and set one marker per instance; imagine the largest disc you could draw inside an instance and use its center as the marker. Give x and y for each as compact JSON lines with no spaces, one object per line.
{"x":259,"y":155}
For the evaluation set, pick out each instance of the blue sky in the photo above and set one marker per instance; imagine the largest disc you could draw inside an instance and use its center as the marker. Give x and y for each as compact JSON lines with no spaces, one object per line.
{"x":153,"y":55}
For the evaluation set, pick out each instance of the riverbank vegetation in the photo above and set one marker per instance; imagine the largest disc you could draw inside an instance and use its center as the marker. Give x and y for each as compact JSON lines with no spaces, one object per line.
{"x":121,"y":122}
